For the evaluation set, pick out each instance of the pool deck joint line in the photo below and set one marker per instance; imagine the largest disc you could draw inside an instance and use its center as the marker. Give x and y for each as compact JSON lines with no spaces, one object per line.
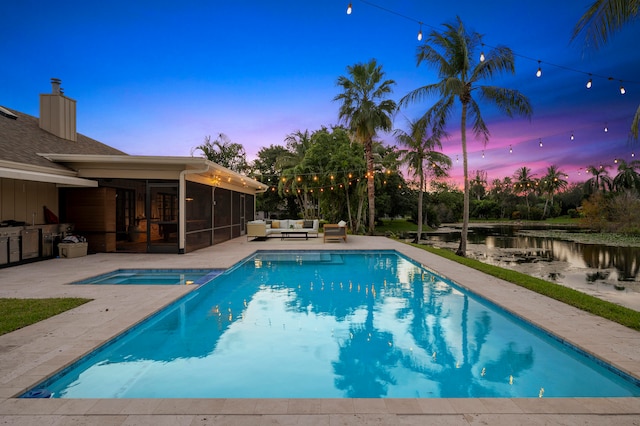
{"x":29,"y":355}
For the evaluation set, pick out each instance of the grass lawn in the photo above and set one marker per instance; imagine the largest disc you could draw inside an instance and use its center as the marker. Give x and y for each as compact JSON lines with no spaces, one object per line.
{"x":611,"y":311}
{"x":396,"y":226}
{"x":18,"y":313}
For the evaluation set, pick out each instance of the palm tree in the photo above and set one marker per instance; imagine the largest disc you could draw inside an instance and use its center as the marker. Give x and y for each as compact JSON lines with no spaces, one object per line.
{"x":600,"y":22}
{"x":553,"y":182}
{"x":453,"y":53}
{"x":600,"y":180}
{"x":627,"y":178}
{"x":365,"y":110}
{"x":524,"y":184}
{"x":422,"y":158}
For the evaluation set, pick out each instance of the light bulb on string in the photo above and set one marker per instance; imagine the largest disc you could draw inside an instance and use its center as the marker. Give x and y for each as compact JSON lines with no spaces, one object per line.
{"x":482,"y":54}
{"x":606,"y":128}
{"x":510,"y":150}
{"x":483,"y":153}
{"x":590,"y":82}
{"x":572,"y":137}
{"x":622,"y":91}
{"x":539,"y":72}
{"x":633,"y":154}
{"x":540,"y":143}
{"x":420,"y":32}
{"x":349,"y":9}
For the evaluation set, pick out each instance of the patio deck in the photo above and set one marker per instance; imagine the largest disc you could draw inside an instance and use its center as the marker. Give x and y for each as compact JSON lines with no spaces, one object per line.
{"x":35,"y":352}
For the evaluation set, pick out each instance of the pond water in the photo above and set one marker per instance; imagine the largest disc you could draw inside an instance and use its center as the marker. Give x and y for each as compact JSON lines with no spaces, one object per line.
{"x":609,"y":272}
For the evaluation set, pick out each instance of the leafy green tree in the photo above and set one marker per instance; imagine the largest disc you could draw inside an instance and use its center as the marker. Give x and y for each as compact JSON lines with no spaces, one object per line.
{"x":225,"y":153}
{"x":294,"y":182}
{"x":453,"y":52}
{"x":502,"y":193}
{"x":335,"y":166}
{"x":422,"y":155}
{"x":554,"y":181}
{"x":600,"y":22}
{"x":365,"y":110}
{"x":478,"y":185}
{"x":628,"y":177}
{"x":266,"y":170}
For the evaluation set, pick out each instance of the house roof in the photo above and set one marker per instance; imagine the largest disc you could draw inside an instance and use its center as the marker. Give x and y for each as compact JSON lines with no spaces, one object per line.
{"x":21,"y":139}
{"x":31,"y":153}
{"x":156,"y":167}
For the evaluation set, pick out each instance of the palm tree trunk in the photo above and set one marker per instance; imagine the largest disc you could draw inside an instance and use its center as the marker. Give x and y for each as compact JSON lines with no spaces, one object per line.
{"x":371,"y":188}
{"x":462,"y":248}
{"x":420,"y":198}
{"x":349,"y":219}
{"x":359,"y":220}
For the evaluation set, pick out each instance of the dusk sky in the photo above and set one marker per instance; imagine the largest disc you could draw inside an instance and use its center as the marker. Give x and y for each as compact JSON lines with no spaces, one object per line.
{"x":156,"y":77}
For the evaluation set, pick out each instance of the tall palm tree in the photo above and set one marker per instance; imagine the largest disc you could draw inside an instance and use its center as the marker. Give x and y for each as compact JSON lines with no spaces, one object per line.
{"x":600,"y":22}
{"x":453,"y":52}
{"x":553,"y":182}
{"x":524,"y":184}
{"x":421,"y":157}
{"x":627,"y":178}
{"x":600,"y":180}
{"x":365,"y":110}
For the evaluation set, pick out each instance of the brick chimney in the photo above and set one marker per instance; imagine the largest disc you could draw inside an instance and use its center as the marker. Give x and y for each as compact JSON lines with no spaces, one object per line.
{"x":58,"y":113}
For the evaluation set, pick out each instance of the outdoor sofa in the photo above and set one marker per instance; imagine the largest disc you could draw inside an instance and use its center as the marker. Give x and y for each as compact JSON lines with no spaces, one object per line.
{"x":275,"y":227}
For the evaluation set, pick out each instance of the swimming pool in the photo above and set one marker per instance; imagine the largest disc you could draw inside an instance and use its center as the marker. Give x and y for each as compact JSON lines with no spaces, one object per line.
{"x":154,"y":277}
{"x":366,"y":324}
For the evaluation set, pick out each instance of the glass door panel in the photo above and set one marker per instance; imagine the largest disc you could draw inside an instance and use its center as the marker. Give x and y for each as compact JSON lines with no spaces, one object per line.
{"x":162,"y":226}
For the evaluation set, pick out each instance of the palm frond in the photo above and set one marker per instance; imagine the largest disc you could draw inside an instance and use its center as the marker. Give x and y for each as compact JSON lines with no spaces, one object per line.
{"x":508,"y":101}
{"x":603,"y":19}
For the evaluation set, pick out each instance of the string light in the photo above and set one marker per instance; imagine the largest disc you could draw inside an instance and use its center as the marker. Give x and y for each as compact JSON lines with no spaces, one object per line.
{"x":482,"y":56}
{"x":606,"y":129}
{"x":483,"y":153}
{"x":420,"y":33}
{"x":540,"y":143}
{"x":622,"y":91}
{"x":572,"y":137}
{"x":510,"y":150}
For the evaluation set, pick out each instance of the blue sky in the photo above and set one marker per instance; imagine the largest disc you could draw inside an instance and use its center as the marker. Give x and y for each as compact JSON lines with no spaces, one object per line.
{"x":156,"y":77}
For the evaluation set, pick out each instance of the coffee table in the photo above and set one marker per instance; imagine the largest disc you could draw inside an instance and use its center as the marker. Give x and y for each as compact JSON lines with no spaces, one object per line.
{"x":294,"y":233}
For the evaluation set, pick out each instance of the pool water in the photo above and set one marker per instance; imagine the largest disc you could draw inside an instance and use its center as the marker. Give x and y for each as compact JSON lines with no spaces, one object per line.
{"x":370,"y":324}
{"x":154,"y":277}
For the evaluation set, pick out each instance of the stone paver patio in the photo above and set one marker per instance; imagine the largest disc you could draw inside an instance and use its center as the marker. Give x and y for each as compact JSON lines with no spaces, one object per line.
{"x":31,"y":354}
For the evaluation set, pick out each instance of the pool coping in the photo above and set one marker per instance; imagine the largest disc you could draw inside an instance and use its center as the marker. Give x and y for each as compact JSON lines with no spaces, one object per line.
{"x":29,"y":355}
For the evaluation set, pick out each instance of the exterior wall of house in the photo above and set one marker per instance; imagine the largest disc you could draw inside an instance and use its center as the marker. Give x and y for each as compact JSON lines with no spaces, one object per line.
{"x":24,"y":201}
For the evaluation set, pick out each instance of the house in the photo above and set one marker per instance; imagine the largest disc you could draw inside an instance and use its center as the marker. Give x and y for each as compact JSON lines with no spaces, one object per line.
{"x":119,"y":202}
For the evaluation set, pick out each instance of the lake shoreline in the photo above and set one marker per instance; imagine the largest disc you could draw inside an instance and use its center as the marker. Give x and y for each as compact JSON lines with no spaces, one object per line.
{"x":568,"y":232}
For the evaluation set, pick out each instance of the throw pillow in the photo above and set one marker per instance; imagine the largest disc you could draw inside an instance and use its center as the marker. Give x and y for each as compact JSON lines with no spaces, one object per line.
{"x":308,"y":224}
{"x":275,"y":224}
{"x":298,"y":224}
